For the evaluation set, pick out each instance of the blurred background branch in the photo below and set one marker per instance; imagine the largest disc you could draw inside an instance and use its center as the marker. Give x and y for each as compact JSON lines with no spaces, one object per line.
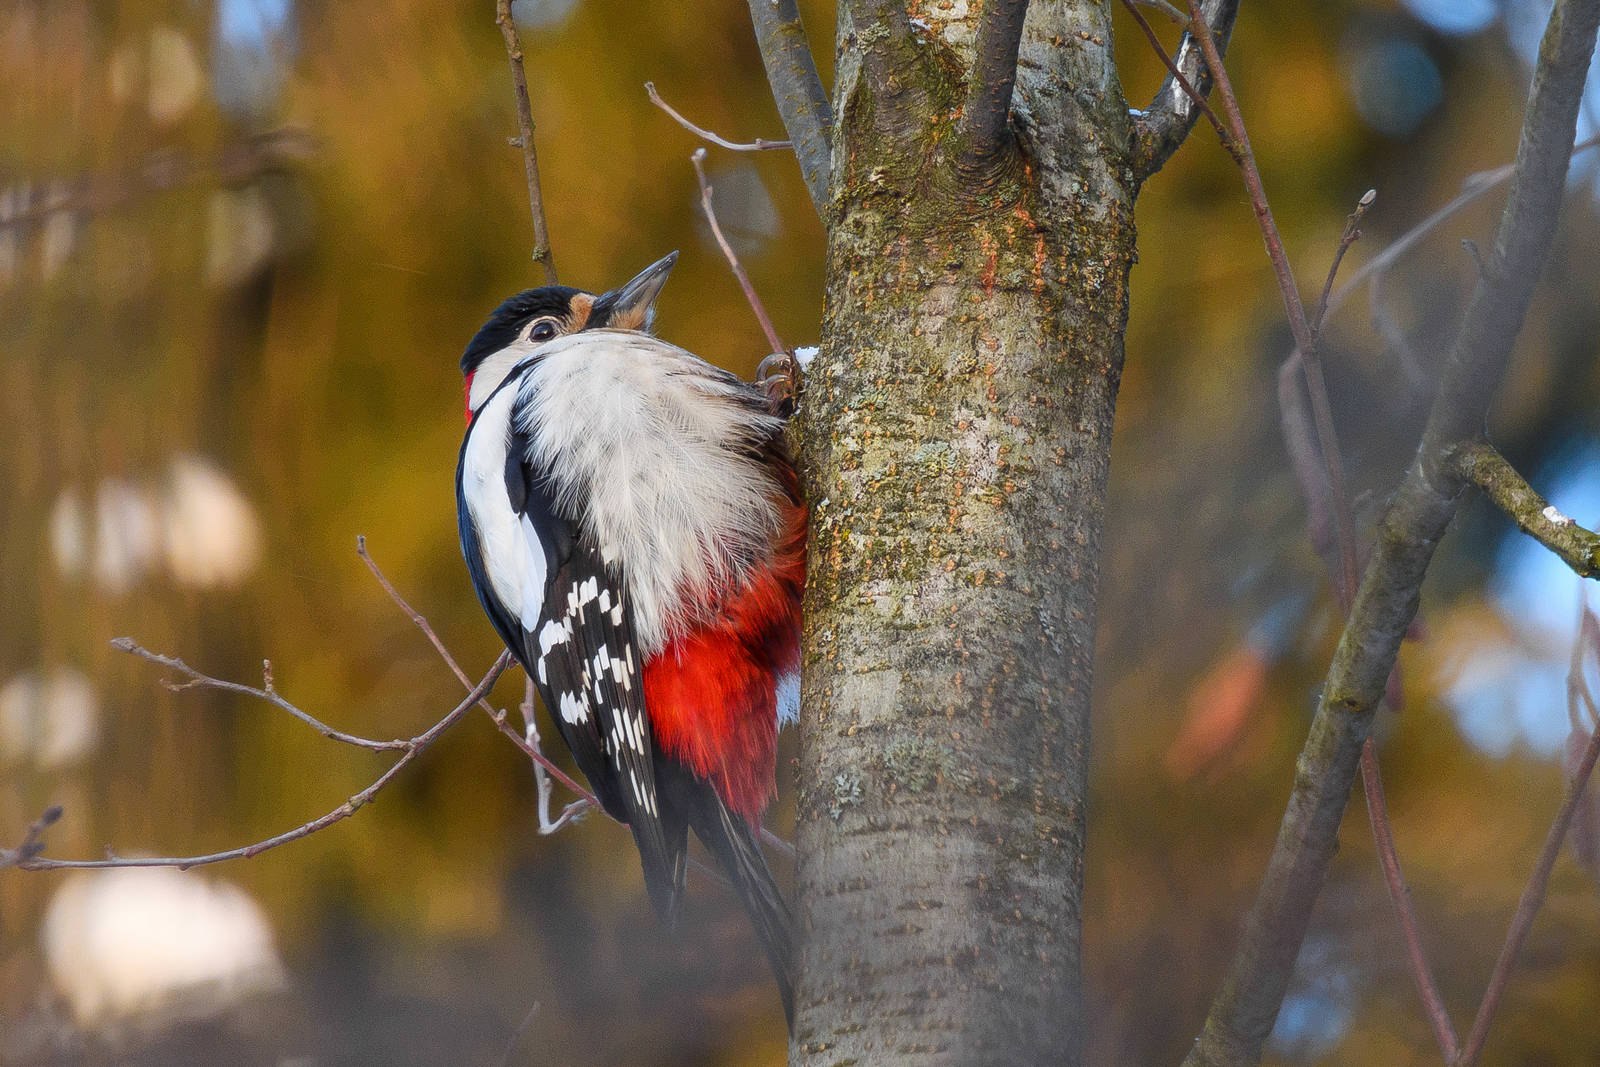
{"x":1247,"y":1005}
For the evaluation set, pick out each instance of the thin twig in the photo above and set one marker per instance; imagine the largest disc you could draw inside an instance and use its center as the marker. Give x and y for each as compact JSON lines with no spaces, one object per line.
{"x":1393,"y":335}
{"x":1444,"y":1030}
{"x":541,"y":779}
{"x":1173,"y":14}
{"x":1294,"y":307}
{"x":1351,"y":234}
{"x":698,"y":159}
{"x":198,"y":680}
{"x":1327,"y":443}
{"x":542,"y":254}
{"x":1533,"y":895}
{"x":516,"y":1035}
{"x":1474,"y":188}
{"x":495,"y":714}
{"x":162,"y":171}
{"x":413,"y":748}
{"x":1325,"y":440}
{"x":758,"y":145}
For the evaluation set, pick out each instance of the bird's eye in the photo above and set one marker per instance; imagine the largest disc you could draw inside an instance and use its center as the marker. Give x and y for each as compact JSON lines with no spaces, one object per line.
{"x":542,"y":330}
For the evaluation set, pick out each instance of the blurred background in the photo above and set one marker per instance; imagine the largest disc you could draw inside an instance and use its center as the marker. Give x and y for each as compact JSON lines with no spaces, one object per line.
{"x":242,"y":244}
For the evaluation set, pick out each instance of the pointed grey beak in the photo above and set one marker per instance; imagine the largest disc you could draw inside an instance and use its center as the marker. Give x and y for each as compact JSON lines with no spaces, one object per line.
{"x":633,"y":306}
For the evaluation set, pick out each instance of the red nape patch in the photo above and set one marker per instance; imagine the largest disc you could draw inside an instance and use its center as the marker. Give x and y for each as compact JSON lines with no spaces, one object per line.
{"x":711,"y":693}
{"x":470,"y":375}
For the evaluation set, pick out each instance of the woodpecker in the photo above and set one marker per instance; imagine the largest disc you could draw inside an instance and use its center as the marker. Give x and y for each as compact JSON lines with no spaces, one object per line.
{"x":634,"y":528}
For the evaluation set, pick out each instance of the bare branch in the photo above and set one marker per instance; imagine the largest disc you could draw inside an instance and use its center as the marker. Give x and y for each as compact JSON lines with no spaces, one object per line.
{"x":413,"y":748}
{"x":985,"y":120}
{"x":197,"y":680}
{"x":1301,"y":440}
{"x":1316,"y":386}
{"x":542,"y":254}
{"x":698,"y":159}
{"x":758,"y":145}
{"x":797,"y":90}
{"x":1422,"y":508}
{"x":1481,"y":464}
{"x":1305,"y":439}
{"x":541,"y":779}
{"x":1533,"y":893}
{"x":1165,"y":124}
{"x":1236,"y":140}
{"x":1474,"y":188}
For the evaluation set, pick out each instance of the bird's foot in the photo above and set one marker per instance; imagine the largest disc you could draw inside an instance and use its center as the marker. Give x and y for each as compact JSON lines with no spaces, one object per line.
{"x":779,"y":377}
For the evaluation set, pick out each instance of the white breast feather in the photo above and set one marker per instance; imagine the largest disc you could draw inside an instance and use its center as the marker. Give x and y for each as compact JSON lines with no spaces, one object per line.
{"x":648,"y":444}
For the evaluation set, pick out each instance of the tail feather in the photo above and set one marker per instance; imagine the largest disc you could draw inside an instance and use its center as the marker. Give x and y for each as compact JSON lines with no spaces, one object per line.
{"x":664,"y":855}
{"x":734,"y":843}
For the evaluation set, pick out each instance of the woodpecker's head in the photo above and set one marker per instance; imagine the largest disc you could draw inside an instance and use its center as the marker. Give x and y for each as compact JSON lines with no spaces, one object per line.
{"x":535,"y":317}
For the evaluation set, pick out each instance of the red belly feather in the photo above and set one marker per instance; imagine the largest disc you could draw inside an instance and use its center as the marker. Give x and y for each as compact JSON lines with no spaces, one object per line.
{"x":711,"y":692}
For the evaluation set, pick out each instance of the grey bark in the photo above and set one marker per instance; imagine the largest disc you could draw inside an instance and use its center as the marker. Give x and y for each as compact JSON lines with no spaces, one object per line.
{"x":956,"y":431}
{"x":801,"y":100}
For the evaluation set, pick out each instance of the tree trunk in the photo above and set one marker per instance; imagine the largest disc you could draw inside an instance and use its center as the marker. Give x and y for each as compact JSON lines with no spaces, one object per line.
{"x":956,"y":434}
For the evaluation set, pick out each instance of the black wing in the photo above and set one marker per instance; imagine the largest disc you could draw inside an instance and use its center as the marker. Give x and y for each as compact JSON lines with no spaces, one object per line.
{"x":585,"y":662}
{"x":587,"y":666}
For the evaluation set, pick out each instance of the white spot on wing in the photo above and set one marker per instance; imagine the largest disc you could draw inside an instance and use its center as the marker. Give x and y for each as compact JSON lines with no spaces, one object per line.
{"x":574,"y":709}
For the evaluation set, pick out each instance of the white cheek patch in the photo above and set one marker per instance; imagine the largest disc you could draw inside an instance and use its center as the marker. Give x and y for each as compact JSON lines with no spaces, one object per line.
{"x":502,"y":544}
{"x":494,"y":370}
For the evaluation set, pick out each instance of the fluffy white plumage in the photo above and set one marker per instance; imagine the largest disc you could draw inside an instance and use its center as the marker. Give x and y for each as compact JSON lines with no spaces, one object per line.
{"x":653,"y":448}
